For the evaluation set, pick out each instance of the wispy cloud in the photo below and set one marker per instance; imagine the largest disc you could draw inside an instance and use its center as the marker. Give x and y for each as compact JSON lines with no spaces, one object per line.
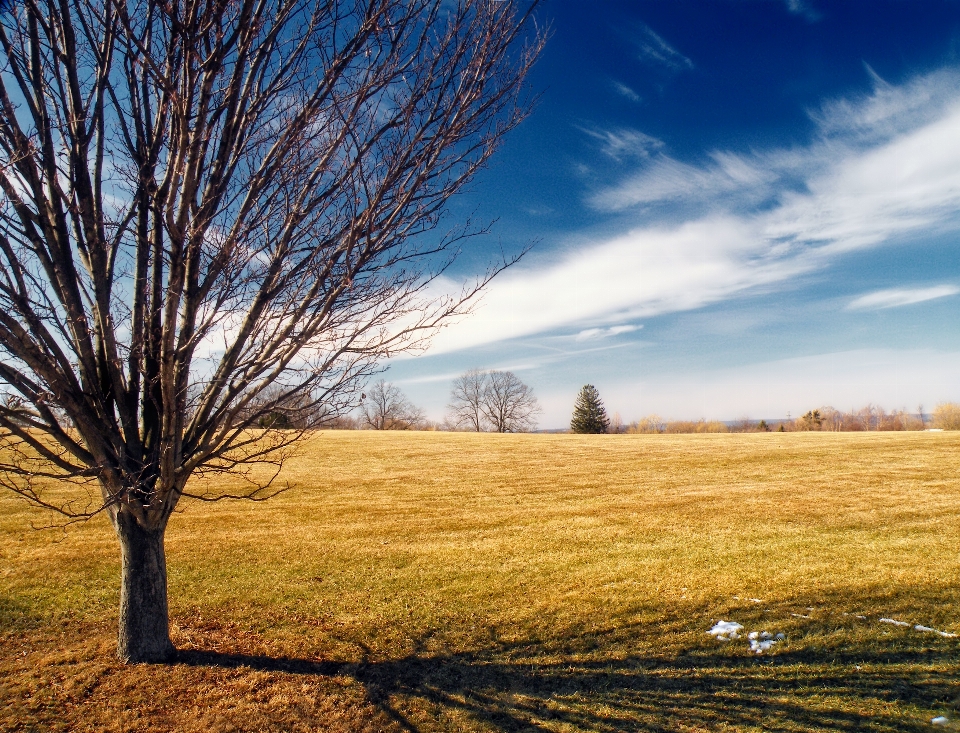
{"x":864,"y":128}
{"x":666,"y":179}
{"x":589,"y":334}
{"x":804,"y":10}
{"x":883,"y":167}
{"x":624,"y":142}
{"x":624,"y":91}
{"x":888,"y":110}
{"x":654,"y":48}
{"x":897,"y":297}
{"x":642,"y":273}
{"x":450,"y":376}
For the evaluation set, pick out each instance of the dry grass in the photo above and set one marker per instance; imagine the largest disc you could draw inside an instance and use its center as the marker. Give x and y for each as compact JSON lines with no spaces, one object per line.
{"x":448,"y":582}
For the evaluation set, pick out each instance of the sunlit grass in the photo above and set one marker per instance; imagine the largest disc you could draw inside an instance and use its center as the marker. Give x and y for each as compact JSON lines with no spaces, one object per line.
{"x":449,"y":582}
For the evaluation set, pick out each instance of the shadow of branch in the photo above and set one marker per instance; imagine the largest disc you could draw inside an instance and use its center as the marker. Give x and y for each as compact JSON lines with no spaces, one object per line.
{"x":524,"y":686}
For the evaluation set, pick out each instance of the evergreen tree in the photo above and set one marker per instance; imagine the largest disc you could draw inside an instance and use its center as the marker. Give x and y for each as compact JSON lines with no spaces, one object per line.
{"x":589,"y":414}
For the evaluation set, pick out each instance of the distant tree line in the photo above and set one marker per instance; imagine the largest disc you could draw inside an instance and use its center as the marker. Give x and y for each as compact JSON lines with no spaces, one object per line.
{"x":946,"y":416}
{"x":498,"y":401}
{"x":480,"y":400}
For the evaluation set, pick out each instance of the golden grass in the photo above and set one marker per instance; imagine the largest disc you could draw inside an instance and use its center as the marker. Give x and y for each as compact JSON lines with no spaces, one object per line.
{"x":448,"y":582}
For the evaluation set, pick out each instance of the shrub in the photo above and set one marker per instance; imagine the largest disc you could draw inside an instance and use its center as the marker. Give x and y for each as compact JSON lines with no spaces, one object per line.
{"x":946,"y":415}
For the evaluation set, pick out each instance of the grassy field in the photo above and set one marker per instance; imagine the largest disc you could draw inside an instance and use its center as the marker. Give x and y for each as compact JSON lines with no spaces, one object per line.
{"x":457,"y":582}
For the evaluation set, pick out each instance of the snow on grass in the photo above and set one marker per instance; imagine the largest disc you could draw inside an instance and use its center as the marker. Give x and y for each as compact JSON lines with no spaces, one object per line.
{"x":946,"y":634}
{"x":726,"y":630}
{"x":893,"y":621}
{"x":761,"y":641}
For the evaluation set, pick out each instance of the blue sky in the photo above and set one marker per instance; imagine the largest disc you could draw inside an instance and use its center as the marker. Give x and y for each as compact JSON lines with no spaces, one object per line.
{"x":741,"y":208}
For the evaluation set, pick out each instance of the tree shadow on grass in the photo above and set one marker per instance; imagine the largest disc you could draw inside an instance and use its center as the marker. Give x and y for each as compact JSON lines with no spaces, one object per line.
{"x":530,"y":686}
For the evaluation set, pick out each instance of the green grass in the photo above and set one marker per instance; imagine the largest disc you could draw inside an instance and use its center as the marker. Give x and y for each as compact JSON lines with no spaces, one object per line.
{"x":448,"y":582}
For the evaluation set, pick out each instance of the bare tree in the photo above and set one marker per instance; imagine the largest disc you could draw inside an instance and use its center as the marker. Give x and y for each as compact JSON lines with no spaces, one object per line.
{"x":508,"y":404}
{"x":467,"y":398}
{"x":210,"y":211}
{"x":385,"y":407}
{"x":650,"y":424}
{"x":616,"y":424}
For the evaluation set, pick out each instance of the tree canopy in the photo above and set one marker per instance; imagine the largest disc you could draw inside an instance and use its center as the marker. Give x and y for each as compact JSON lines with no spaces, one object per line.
{"x":213,"y":214}
{"x":493,"y":400}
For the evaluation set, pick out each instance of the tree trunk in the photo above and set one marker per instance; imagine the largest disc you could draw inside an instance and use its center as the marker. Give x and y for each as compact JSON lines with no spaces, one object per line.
{"x":144,"y":621}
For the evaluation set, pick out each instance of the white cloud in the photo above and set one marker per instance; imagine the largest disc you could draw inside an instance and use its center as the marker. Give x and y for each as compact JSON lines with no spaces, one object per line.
{"x":642,"y":273}
{"x":901,"y":296}
{"x":888,"y":110}
{"x":666,"y":179}
{"x":624,"y":91}
{"x":803,"y":9}
{"x":450,"y":376}
{"x":919,"y":115}
{"x":599,"y":333}
{"x":624,"y":142}
{"x":908,"y":184}
{"x":892,"y":171}
{"x":655,"y":48}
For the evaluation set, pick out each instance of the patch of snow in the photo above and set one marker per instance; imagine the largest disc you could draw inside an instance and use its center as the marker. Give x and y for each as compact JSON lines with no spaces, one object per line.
{"x":799,"y":615}
{"x":940,"y":720}
{"x":755,"y":600}
{"x":946,"y":634}
{"x":726,"y":630}
{"x":893,"y":621}
{"x":761,"y":641}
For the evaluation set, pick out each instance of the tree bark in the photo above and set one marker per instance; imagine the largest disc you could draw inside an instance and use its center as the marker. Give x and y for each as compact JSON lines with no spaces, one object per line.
{"x":144,"y":634}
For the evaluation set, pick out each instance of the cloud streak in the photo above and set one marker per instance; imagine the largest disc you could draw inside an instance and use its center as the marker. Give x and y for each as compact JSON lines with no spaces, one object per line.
{"x":624,"y":142}
{"x":884,"y":166}
{"x":589,"y":334}
{"x":654,"y":48}
{"x":624,"y":91}
{"x":803,"y":9}
{"x":897,"y":297}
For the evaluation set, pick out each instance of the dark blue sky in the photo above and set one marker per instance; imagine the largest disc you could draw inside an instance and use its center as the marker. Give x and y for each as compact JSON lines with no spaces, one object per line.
{"x":741,"y":208}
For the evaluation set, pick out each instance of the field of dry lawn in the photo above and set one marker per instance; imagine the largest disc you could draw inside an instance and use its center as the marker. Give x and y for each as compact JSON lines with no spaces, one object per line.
{"x":463,"y":582}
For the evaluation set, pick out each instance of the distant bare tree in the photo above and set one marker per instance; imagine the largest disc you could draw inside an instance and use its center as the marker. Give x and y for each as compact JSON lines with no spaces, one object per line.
{"x":946,"y":416}
{"x":467,"y":398}
{"x":212,"y":213}
{"x":508,"y":404}
{"x":385,"y":407}
{"x":649,"y":424}
{"x":743,"y":425}
{"x":616,"y":424}
{"x":831,"y":419}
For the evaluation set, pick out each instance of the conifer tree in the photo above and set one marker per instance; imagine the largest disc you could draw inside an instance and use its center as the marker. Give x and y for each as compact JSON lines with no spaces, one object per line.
{"x":589,"y":414}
